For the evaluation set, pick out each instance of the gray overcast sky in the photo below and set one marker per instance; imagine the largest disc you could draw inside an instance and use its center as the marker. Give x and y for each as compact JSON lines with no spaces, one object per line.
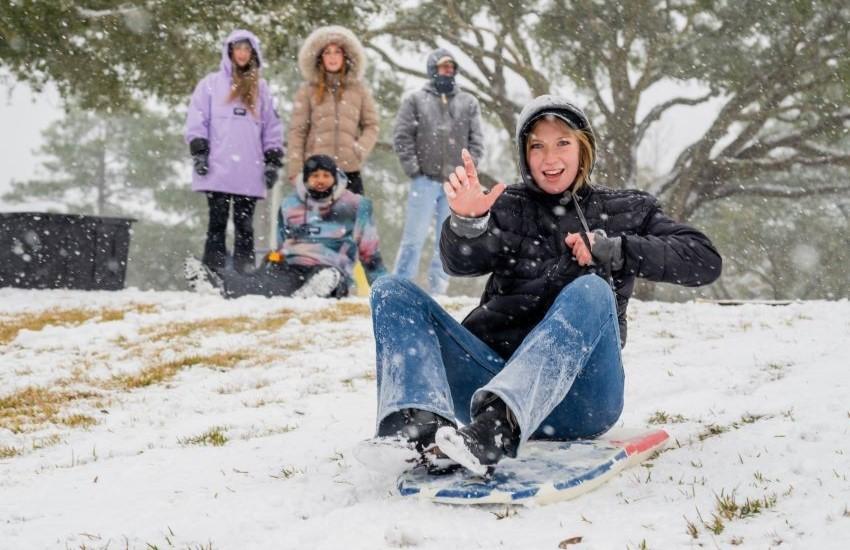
{"x":23,"y":116}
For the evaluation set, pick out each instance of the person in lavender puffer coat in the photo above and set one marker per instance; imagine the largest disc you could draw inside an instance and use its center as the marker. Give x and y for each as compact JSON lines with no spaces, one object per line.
{"x":235,"y":137}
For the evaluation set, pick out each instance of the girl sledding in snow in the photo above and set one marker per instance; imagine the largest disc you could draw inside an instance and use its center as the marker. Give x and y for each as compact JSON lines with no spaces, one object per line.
{"x":539,"y":358}
{"x":236,"y":140}
{"x":323,"y":229}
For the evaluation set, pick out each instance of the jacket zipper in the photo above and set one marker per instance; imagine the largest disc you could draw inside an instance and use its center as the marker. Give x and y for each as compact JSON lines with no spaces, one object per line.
{"x":336,"y":128}
{"x":446,"y":136}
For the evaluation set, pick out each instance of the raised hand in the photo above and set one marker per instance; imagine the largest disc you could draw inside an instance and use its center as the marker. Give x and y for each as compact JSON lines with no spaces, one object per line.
{"x":580,"y":250}
{"x":466,"y":196}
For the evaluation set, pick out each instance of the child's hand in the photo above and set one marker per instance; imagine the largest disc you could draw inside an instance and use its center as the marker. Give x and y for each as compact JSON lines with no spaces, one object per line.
{"x":466,"y":196}
{"x":580,"y":250}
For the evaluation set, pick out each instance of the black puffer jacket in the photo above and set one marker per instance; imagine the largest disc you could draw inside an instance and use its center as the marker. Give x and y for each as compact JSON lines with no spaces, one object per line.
{"x":524,"y":251}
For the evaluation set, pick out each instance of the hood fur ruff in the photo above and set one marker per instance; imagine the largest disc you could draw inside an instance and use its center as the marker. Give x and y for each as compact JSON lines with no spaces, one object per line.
{"x":323,"y":36}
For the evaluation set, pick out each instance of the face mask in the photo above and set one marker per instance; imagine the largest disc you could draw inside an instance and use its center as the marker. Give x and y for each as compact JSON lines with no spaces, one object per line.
{"x":319,"y":195}
{"x":444,"y":84}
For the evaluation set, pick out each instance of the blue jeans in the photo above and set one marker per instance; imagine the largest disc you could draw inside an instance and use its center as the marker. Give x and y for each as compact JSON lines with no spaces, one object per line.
{"x":565,"y":381}
{"x":426,"y":201}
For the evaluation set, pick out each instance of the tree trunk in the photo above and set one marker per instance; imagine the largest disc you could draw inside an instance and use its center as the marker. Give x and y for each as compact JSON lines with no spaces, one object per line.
{"x":101,"y":177}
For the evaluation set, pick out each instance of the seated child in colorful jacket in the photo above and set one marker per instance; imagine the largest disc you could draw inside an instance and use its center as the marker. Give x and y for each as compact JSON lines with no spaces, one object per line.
{"x":323,"y":229}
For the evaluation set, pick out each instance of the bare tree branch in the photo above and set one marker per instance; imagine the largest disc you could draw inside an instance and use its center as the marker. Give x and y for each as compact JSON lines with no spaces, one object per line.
{"x":778,"y":191}
{"x":590,"y":78}
{"x":653,"y":115}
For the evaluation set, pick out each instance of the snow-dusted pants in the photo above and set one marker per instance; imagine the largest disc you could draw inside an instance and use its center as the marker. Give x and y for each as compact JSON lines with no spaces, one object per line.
{"x":565,"y":381}
{"x":215,"y":249}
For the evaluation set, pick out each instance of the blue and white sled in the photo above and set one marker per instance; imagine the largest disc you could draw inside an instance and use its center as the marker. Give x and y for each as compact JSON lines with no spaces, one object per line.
{"x":545,"y":471}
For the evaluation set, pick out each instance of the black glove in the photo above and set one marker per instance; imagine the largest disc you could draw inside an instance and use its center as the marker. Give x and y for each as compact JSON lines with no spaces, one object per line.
{"x":200,"y":150}
{"x":274,"y":160}
{"x":270,"y":175}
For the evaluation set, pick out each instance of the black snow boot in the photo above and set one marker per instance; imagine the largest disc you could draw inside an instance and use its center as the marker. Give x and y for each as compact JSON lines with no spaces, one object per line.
{"x":414,"y":425}
{"x":492,"y":435}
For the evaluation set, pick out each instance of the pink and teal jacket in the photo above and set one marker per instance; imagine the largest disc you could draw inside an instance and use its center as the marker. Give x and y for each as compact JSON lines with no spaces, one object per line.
{"x":336,"y":231}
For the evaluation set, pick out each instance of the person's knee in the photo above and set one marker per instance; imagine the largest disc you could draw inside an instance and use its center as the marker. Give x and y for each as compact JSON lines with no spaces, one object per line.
{"x":391,"y":287}
{"x":590,"y":290}
{"x":592,"y":284}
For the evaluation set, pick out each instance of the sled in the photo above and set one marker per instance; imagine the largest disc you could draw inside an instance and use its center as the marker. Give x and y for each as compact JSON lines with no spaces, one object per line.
{"x":544,"y":472}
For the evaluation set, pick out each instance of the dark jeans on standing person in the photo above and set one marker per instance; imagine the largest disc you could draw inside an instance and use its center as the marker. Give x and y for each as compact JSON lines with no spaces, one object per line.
{"x":564,"y":382}
{"x":355,"y":182}
{"x":215,"y":249}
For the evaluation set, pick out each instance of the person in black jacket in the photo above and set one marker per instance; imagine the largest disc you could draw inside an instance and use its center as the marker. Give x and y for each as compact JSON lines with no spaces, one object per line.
{"x":540,"y":356}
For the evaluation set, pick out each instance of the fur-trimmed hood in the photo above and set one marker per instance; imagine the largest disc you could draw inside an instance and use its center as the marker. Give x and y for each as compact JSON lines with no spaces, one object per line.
{"x":340,"y":188}
{"x":332,"y":34}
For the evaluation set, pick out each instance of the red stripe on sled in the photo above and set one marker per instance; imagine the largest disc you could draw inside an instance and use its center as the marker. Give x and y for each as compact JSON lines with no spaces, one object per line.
{"x":643,"y":442}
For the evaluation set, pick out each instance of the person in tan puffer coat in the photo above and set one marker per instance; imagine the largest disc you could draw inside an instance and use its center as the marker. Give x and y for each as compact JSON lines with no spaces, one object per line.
{"x":333,"y":112}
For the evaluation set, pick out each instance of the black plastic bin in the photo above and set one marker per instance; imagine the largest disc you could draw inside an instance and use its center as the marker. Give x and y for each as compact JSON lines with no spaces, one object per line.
{"x":63,"y":251}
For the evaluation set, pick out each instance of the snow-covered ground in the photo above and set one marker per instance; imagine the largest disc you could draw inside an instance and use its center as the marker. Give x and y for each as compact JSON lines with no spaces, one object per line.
{"x":140,"y":419}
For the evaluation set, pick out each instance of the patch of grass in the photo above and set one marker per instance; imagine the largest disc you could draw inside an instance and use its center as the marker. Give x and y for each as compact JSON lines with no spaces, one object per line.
{"x":162,"y":372}
{"x":78,"y":421}
{"x":711,"y":430}
{"x":268,"y":432}
{"x":288,"y":472}
{"x":8,"y":452}
{"x":753,"y":507}
{"x":261,"y":402}
{"x":368,"y":376}
{"x":44,"y":442}
{"x":692,"y":529}
{"x":35,"y":405}
{"x":727,"y":509}
{"x":9,"y":328}
{"x":776,"y":371}
{"x":338,"y":312}
{"x":120,"y":314}
{"x":748,"y":418}
{"x":183,"y":329}
{"x":716,"y":526}
{"x":661,"y":417}
{"x":726,"y":505}
{"x":276,"y":320}
{"x":508,"y":512}
{"x":168,"y":333}
{"x":215,"y":437}
{"x":229,"y":325}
